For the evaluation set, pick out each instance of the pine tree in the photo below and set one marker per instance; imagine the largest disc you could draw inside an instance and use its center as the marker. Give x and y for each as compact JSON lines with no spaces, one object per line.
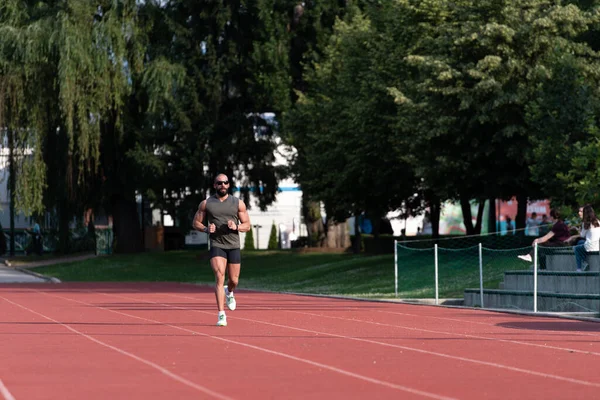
{"x":273,"y":243}
{"x":249,"y":240}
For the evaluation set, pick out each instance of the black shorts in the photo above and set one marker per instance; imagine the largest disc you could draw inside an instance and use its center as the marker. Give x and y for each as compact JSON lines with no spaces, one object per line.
{"x":233,"y":256}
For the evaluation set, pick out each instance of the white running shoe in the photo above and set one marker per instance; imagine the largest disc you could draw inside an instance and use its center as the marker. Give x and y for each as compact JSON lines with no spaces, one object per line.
{"x":526,"y":257}
{"x":231,"y":304}
{"x":222,"y":320}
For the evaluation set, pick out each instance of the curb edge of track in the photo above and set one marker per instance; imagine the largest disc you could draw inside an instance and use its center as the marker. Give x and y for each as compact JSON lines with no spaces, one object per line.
{"x":47,"y":278}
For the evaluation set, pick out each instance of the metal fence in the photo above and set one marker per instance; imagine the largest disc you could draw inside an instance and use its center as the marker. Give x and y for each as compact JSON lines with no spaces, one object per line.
{"x":499,"y":278}
{"x":101,"y":243}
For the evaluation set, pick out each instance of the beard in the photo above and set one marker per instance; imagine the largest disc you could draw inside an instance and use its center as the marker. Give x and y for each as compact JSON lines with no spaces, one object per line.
{"x":221,"y":192}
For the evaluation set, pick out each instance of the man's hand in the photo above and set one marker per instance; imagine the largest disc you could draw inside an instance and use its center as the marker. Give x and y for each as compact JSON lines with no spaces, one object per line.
{"x":212,"y":228}
{"x":232,"y":225}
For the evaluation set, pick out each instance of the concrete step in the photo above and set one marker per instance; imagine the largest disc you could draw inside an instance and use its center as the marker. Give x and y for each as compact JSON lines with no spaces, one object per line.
{"x":554,"y":281}
{"x":565,"y":261}
{"x":523,"y":300}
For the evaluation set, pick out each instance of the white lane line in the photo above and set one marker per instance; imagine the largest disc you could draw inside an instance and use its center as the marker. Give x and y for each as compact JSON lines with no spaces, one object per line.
{"x":444,"y":355}
{"x":262,"y":349}
{"x":465,"y":335}
{"x":462,"y":321}
{"x":5,"y":392}
{"x":128,"y":354}
{"x":507,"y":328}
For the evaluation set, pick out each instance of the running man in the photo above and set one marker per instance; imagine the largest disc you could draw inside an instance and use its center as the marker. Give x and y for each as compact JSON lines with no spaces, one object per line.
{"x":226,"y":216}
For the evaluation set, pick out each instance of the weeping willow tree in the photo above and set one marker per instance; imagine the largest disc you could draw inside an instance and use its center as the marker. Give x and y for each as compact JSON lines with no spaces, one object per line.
{"x":65,"y":76}
{"x":116,"y":98}
{"x":19,"y":114}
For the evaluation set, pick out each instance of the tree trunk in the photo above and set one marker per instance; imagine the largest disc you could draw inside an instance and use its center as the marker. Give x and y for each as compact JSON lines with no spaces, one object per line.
{"x":11,"y":188}
{"x":376,"y":224}
{"x":314,"y":223}
{"x":64,"y":230}
{"x":465,"y":206}
{"x":126,"y":225}
{"x":117,"y":179}
{"x":435,"y":208}
{"x":479,"y":220}
{"x":521,"y":214}
{"x":357,"y":244}
{"x":337,"y":234}
{"x":492,"y":216}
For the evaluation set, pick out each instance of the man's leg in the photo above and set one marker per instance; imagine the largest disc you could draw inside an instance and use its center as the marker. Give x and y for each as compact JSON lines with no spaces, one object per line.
{"x":233,"y":275}
{"x":219,"y":265}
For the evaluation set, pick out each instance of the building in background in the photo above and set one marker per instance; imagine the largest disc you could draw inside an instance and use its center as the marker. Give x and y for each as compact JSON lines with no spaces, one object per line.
{"x":285,"y":213}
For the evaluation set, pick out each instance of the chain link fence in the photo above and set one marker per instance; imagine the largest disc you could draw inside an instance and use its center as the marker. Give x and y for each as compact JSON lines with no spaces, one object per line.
{"x":485,"y":271}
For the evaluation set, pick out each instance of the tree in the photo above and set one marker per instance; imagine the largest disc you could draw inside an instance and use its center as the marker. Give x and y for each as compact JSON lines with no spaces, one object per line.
{"x":249,"y":240}
{"x":152,"y":98}
{"x":273,"y":240}
{"x":341,"y":127}
{"x":311,"y":27}
{"x":215,"y":115}
{"x":69,"y":88}
{"x":474,"y":74}
{"x":564,"y":122}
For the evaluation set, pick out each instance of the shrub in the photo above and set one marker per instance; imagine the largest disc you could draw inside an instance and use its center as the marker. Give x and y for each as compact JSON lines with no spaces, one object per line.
{"x":249,"y":240}
{"x":273,"y":243}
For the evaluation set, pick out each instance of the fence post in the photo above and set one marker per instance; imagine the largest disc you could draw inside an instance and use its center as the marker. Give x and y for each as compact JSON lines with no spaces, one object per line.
{"x":535,"y":264}
{"x":481,"y":274}
{"x":396,"y":268}
{"x":436,"y":275}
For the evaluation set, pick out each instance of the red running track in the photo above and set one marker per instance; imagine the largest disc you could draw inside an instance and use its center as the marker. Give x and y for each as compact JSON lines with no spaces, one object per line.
{"x":153,"y":341}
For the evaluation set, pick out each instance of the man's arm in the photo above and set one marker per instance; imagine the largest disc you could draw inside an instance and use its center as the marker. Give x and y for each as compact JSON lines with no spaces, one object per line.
{"x":199,"y":217}
{"x":244,"y":225}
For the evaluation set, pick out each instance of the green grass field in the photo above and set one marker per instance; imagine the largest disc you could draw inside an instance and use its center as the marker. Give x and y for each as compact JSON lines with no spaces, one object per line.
{"x":314,"y":273}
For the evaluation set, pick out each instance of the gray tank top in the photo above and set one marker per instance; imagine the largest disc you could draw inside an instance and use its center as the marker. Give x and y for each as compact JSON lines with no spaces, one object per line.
{"x":219,"y":212}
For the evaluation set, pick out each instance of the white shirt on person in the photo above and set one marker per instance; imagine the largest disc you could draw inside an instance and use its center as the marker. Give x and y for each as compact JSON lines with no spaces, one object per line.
{"x":592,"y":237}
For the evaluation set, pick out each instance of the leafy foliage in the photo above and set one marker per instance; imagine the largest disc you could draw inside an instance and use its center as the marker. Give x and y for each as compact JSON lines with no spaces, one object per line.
{"x":153,"y":97}
{"x":387,"y":104}
{"x":341,"y":127}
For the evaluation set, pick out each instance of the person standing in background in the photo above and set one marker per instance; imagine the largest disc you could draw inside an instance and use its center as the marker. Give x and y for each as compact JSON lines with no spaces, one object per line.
{"x":532,"y":225}
{"x":510,"y":229}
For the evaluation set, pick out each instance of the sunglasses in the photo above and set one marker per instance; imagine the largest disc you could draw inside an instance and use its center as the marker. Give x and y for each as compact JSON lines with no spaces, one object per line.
{"x":222,"y":182}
